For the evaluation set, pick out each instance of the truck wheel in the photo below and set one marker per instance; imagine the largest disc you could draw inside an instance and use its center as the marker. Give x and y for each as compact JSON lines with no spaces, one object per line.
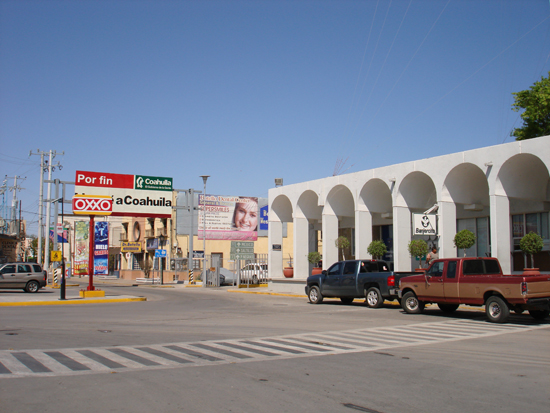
{"x":346,"y":300}
{"x":315,"y":296}
{"x":255,"y":279}
{"x":497,"y":310}
{"x":374,"y":298}
{"x":448,"y":308}
{"x":539,"y":314}
{"x":32,"y":287}
{"x":411,"y":304}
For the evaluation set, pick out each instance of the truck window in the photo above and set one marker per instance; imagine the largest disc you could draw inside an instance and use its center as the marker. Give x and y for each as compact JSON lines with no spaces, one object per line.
{"x":349,"y":267}
{"x":471,"y":267}
{"x":436,"y":270}
{"x":491,"y":267}
{"x":335,"y":269}
{"x":364,"y":267}
{"x":451,"y":269}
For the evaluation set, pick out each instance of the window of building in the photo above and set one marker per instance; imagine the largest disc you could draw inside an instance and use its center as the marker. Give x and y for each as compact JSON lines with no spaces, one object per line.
{"x":522,"y":224}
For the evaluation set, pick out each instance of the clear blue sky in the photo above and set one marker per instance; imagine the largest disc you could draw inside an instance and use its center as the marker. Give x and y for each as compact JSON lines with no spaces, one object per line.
{"x":249,"y":91}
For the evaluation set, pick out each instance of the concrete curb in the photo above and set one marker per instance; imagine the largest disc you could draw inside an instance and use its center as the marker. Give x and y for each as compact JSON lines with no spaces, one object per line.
{"x":72,"y":301}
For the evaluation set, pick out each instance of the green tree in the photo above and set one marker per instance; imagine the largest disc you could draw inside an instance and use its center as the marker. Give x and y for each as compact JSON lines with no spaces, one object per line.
{"x":464,"y":239}
{"x":377,"y":249}
{"x":342,"y":243}
{"x":536,"y":116}
{"x":531,"y":244}
{"x":418,"y":249}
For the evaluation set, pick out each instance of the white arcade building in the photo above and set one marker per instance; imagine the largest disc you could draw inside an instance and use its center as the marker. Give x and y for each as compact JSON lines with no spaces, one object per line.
{"x":499,"y":192}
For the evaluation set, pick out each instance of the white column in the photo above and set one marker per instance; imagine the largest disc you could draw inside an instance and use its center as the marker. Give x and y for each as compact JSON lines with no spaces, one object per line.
{"x":301,"y":248}
{"x":500,"y":232}
{"x":275,"y":257}
{"x":401,"y":238}
{"x":330,"y":235}
{"x":447,"y":229}
{"x":363,"y":233}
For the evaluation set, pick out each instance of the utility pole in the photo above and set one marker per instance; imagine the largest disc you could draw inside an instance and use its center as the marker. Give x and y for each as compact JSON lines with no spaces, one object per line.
{"x":43,"y":168}
{"x":13,"y":228}
{"x":51,"y":168}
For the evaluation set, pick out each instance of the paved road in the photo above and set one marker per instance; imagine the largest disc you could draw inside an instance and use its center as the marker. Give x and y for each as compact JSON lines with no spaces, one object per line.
{"x":213,"y":351}
{"x":67,"y":361}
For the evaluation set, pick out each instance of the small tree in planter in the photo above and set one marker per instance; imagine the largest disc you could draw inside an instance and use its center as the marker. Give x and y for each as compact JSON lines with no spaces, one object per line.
{"x":342,"y":243}
{"x":464,"y":239}
{"x":314,"y":258}
{"x":377,"y":249}
{"x":418,"y":248}
{"x":531,"y":244}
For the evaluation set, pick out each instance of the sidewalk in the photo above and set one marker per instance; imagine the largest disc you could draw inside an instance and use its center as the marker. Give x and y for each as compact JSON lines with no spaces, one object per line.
{"x":51,"y":295}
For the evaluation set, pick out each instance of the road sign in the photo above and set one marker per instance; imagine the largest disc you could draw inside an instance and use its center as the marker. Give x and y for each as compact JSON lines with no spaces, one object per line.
{"x":242,"y":244}
{"x":243,"y":250}
{"x":241,"y":256}
{"x":160,"y":253}
{"x":55,"y":256}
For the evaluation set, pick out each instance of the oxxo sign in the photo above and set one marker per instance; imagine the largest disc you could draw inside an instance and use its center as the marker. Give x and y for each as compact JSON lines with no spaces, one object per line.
{"x":92,"y":205}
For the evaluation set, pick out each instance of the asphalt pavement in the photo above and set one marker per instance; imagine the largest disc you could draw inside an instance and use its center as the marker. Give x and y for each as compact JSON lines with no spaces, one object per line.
{"x":51,"y":295}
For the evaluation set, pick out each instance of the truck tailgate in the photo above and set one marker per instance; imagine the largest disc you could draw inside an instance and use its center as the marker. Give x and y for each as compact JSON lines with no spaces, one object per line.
{"x":538,"y":285}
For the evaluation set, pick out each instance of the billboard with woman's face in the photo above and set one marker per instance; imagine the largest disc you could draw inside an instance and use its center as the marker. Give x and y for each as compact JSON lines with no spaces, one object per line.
{"x":228,"y":217}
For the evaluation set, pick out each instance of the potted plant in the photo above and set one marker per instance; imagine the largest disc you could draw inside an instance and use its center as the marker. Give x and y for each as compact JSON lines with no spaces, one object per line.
{"x":531,"y":244}
{"x":314,"y":258}
{"x":288,"y":272}
{"x":377,"y":249}
{"x":418,"y":248}
{"x":464,"y":239}
{"x":342,"y":243}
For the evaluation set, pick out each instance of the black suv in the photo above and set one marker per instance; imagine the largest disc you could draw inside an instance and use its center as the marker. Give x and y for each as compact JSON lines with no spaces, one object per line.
{"x":26,"y":275}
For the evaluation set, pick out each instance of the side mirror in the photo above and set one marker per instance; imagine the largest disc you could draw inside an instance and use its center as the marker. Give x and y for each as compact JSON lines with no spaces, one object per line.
{"x":324,"y":272}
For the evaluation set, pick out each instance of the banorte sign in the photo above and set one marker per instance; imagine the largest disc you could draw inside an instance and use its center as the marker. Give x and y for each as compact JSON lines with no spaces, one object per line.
{"x":92,"y":205}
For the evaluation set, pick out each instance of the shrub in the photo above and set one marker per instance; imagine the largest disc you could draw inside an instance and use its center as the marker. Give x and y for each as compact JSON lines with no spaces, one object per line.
{"x":377,"y":249}
{"x":531,"y":244}
{"x":464,"y":239}
{"x":314,"y":257}
{"x":418,"y":248}
{"x":342,"y":243}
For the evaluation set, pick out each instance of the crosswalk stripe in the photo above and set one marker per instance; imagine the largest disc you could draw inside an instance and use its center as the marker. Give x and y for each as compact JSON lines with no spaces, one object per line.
{"x":56,"y":362}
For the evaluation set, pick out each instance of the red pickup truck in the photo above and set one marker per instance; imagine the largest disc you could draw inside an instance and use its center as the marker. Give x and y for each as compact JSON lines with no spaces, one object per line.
{"x":450,"y":282}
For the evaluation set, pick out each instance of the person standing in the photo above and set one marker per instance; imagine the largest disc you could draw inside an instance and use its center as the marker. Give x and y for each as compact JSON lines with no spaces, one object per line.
{"x":432,"y":256}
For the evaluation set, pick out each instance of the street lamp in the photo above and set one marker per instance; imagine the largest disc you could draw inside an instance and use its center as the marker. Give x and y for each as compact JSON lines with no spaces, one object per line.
{"x":62,"y":289}
{"x":204,"y":179}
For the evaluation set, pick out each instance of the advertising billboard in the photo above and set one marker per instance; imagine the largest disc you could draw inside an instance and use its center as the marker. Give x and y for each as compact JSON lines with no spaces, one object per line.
{"x":132,"y":195}
{"x":101,"y":248}
{"x":228,"y":217}
{"x":82,"y":242}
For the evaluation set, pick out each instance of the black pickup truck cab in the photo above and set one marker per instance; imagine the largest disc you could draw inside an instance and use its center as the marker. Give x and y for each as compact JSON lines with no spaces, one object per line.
{"x":369,"y":279}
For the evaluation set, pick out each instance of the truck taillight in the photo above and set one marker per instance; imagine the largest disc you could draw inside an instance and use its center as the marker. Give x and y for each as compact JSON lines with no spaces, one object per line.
{"x":524,"y":288}
{"x":391,"y":281}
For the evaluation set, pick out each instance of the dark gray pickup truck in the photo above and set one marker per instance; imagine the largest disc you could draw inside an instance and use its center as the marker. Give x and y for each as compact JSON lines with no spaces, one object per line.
{"x":351,"y":279}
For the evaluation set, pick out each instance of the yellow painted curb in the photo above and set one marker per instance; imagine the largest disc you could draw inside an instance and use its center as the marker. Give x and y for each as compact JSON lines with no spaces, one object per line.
{"x":73,"y":301}
{"x":92,"y":293}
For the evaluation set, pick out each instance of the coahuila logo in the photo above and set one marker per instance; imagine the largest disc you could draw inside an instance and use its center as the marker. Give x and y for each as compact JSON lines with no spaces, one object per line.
{"x":153,"y":183}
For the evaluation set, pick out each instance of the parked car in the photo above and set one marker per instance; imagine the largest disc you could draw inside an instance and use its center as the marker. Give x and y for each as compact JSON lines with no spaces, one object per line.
{"x":28,"y":276}
{"x":253,"y":273}
{"x":227,"y":277}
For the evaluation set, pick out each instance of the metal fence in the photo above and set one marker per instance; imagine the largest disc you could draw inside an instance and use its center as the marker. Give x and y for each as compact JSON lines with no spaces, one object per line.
{"x":222,"y":271}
